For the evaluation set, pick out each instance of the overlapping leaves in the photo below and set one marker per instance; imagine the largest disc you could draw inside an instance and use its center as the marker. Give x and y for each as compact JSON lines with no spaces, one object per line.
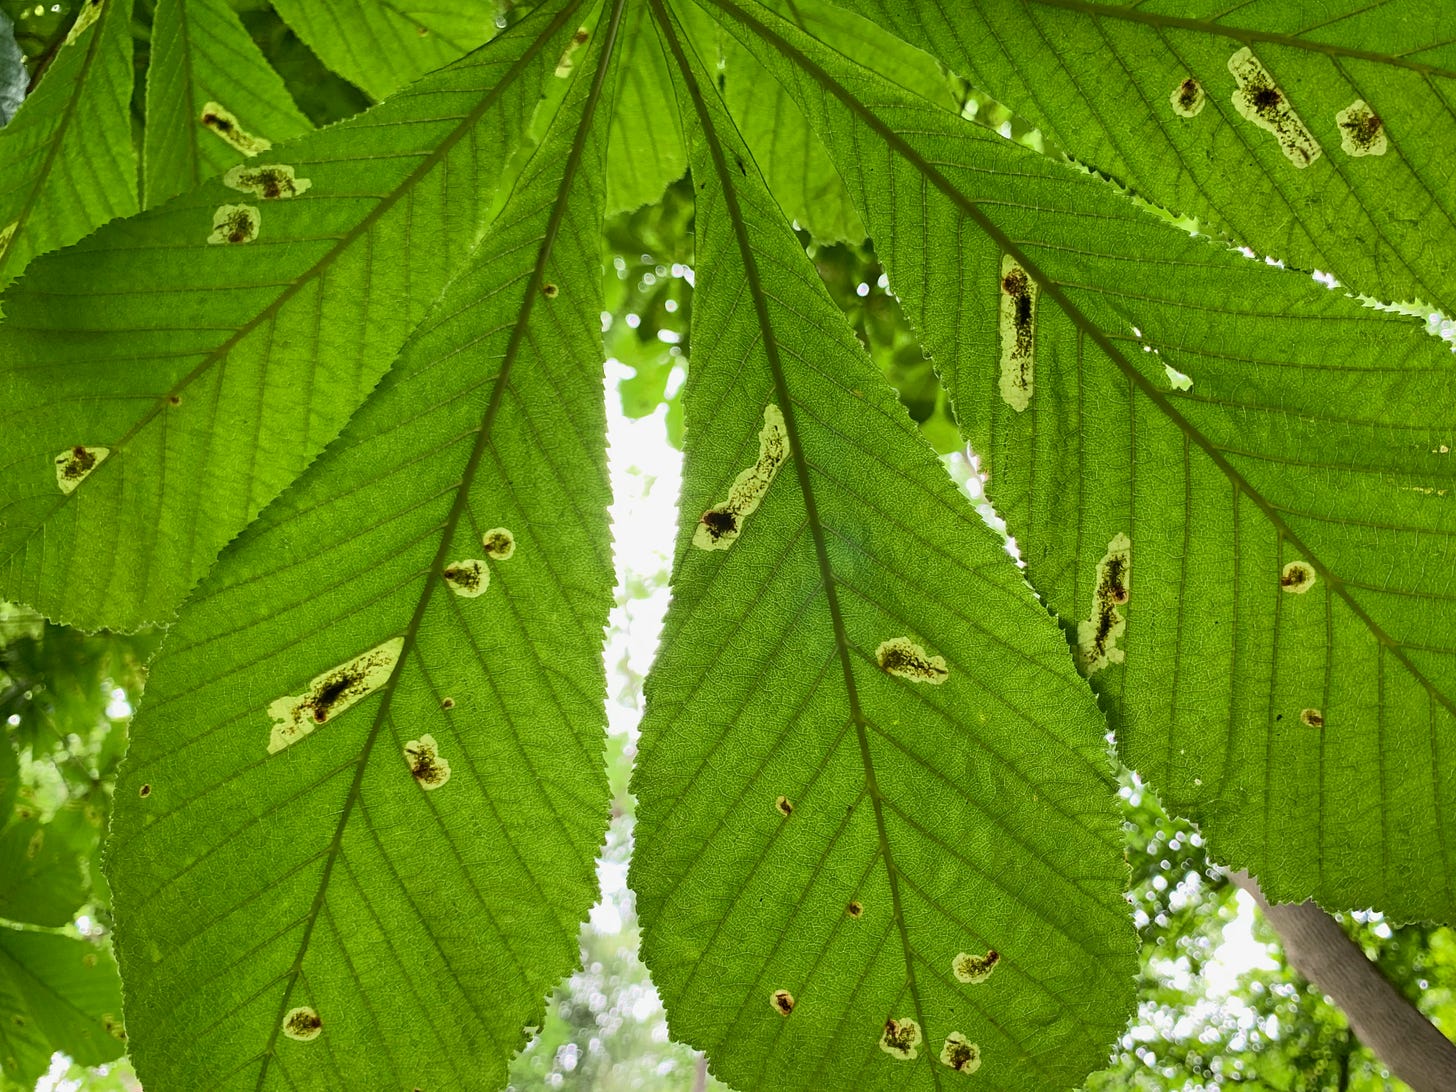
{"x":867,"y":753}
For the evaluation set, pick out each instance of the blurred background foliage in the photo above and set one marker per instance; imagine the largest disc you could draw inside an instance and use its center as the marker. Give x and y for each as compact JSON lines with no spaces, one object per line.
{"x":1219,"y":1007}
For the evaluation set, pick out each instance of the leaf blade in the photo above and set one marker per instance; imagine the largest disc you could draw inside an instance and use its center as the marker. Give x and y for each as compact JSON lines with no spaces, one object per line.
{"x":181,"y":371}
{"x":397,"y":912}
{"x":1118,"y":439}
{"x":787,"y":779}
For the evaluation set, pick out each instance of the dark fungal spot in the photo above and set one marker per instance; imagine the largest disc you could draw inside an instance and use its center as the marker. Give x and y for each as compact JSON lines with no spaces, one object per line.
{"x":549,"y":291}
{"x":1188,"y":98}
{"x":174,"y":399}
{"x":782,"y":1001}
{"x":785,"y":807}
{"x":339,"y":685}
{"x":1312,"y":718}
{"x":719,"y":523}
{"x":1265,"y":98}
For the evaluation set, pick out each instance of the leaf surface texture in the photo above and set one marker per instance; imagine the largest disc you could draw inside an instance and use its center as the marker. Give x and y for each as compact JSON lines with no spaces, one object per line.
{"x":212,"y":378}
{"x":408,"y":864}
{"x":808,"y":821}
{"x":1306,"y":723}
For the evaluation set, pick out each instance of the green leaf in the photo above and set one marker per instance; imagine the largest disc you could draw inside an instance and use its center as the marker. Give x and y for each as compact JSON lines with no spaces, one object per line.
{"x":1103,"y":81}
{"x":646,"y":154}
{"x":1306,"y":724}
{"x":432,"y":594}
{"x":40,"y":874}
{"x":211,"y":379}
{"x":378,"y":46}
{"x":204,"y":71}
{"x":66,"y":158}
{"x":56,"y":993}
{"x":866,"y":757}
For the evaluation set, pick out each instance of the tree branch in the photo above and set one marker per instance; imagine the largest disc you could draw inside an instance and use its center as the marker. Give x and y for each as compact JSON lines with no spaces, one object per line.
{"x":1393,"y":1028}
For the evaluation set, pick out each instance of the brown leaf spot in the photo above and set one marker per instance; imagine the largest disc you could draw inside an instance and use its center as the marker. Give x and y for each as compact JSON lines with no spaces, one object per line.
{"x":329,"y":694}
{"x":782,"y":1001}
{"x":74,"y":464}
{"x":223,"y":122}
{"x":960,"y":1054}
{"x":1297,"y":578}
{"x":303,"y":1024}
{"x":235,"y":224}
{"x":273,"y":182}
{"x":499,"y":543}
{"x":901,"y":1038}
{"x":1312,"y":718}
{"x":467,"y":579}
{"x":550,"y":291}
{"x":973,"y":969}
{"x":1018,"y":334}
{"x":785,"y":806}
{"x":903,"y":657}
{"x":855,"y":909}
{"x":145,"y":791}
{"x":1188,"y":98}
{"x":425,"y":763}
{"x":447,"y":703}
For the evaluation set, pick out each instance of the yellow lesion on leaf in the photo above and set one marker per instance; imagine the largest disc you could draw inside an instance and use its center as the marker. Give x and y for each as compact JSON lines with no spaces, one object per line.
{"x":973,"y":969}
{"x":960,"y":1054}
{"x":218,"y":119}
{"x":1018,"y":334}
{"x":235,"y":224}
{"x":75,"y":463}
{"x":568,"y":56}
{"x":901,"y":1038}
{"x":271,"y":182}
{"x":721,"y":525}
{"x":467,"y":579}
{"x":1260,"y":100}
{"x":499,"y":543}
{"x":425,"y":763}
{"x":1297,"y":577}
{"x":1361,"y":130}
{"x":89,"y":13}
{"x":1098,"y":634}
{"x":302,"y":1023}
{"x":902,"y":657}
{"x":1188,"y":98}
{"x":7,"y":233}
{"x":332,"y":692}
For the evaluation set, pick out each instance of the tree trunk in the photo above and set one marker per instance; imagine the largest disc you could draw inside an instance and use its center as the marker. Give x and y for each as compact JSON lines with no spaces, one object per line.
{"x":1394,"y":1029}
